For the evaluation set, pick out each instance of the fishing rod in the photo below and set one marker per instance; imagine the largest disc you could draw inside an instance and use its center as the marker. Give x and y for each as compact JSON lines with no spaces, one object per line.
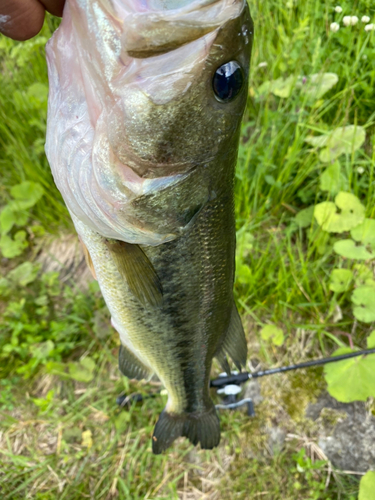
{"x":240,"y":378}
{"x":229,"y":385}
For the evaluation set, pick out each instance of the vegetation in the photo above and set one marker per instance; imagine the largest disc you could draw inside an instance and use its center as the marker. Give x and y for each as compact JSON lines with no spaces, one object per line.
{"x":305,"y":193}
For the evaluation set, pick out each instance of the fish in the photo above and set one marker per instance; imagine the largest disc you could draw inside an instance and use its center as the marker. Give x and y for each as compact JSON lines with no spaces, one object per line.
{"x":144,"y":114}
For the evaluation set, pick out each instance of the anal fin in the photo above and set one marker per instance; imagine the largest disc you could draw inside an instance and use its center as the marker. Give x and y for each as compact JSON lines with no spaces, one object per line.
{"x":131,"y":366}
{"x":234,"y":343}
{"x":140,"y":275}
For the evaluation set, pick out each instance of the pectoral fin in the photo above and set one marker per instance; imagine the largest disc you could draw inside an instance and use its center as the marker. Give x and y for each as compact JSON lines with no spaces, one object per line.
{"x":88,"y":258}
{"x":140,"y":275}
{"x":234,"y":343}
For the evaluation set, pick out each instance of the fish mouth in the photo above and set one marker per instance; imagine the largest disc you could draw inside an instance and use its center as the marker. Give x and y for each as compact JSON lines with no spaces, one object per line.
{"x":164,"y":26}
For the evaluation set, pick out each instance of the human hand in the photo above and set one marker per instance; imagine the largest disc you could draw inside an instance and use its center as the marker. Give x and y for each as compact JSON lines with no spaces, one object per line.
{"x":23,"y":19}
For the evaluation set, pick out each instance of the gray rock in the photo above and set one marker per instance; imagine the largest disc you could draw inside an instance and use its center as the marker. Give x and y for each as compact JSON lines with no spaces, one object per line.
{"x":346,"y":433}
{"x":276,"y":439}
{"x":252,"y":390}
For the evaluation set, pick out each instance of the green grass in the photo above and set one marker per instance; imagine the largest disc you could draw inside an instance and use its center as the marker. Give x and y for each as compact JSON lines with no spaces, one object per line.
{"x":63,"y":438}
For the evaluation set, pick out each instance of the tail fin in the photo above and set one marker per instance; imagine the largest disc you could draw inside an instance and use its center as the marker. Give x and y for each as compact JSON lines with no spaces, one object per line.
{"x":203,"y":428}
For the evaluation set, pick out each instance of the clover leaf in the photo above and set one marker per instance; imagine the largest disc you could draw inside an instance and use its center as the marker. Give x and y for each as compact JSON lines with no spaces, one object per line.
{"x":358,"y":374}
{"x":352,"y":213}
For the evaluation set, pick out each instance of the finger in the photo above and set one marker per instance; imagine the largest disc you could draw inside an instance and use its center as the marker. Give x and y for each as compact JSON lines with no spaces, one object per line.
{"x":21,"y":19}
{"x":55,"y":7}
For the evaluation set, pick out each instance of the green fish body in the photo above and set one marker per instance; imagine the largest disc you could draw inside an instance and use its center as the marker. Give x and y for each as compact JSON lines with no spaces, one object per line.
{"x":156,"y":217}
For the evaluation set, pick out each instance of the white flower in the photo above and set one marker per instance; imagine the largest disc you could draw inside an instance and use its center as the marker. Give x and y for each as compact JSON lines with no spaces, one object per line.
{"x":338,"y":9}
{"x":365,"y":19}
{"x":360,"y":170}
{"x":263,"y":64}
{"x":334,"y":27}
{"x":370,"y":27}
{"x":350,"y":20}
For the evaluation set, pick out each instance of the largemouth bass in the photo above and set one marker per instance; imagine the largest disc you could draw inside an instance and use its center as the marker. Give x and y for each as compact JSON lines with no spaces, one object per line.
{"x":146,"y":99}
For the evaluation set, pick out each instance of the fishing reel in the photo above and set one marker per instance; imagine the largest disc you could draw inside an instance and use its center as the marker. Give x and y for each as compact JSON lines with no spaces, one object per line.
{"x":230,"y":393}
{"x":228,"y":388}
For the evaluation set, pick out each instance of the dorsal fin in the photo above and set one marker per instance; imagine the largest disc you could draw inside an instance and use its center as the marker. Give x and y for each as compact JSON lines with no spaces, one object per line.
{"x":140,"y":275}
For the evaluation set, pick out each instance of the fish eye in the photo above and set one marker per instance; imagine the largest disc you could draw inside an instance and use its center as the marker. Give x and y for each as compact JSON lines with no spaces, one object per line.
{"x":227,"y":81}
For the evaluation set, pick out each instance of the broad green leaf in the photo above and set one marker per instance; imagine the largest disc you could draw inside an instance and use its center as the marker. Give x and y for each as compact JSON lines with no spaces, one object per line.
{"x":282,"y":88}
{"x":313,"y":86}
{"x":365,"y":232}
{"x":331,"y":179}
{"x":367,"y":486}
{"x":318,"y":84}
{"x":273,"y":334}
{"x":358,"y":374}
{"x":13,"y":247}
{"x":305,"y":217}
{"x":371,"y":340}
{"x":83,"y":371}
{"x":363,"y":275}
{"x":24,"y":273}
{"x":28,"y":193}
{"x":342,"y":140}
{"x":340,"y":280}
{"x":349,"y":250}
{"x":319,"y":141}
{"x":352,"y":213}
{"x":244,"y":275}
{"x":42,"y":350}
{"x":325,"y":213}
{"x":7,"y":219}
{"x":88,"y":363}
{"x":363,"y":299}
